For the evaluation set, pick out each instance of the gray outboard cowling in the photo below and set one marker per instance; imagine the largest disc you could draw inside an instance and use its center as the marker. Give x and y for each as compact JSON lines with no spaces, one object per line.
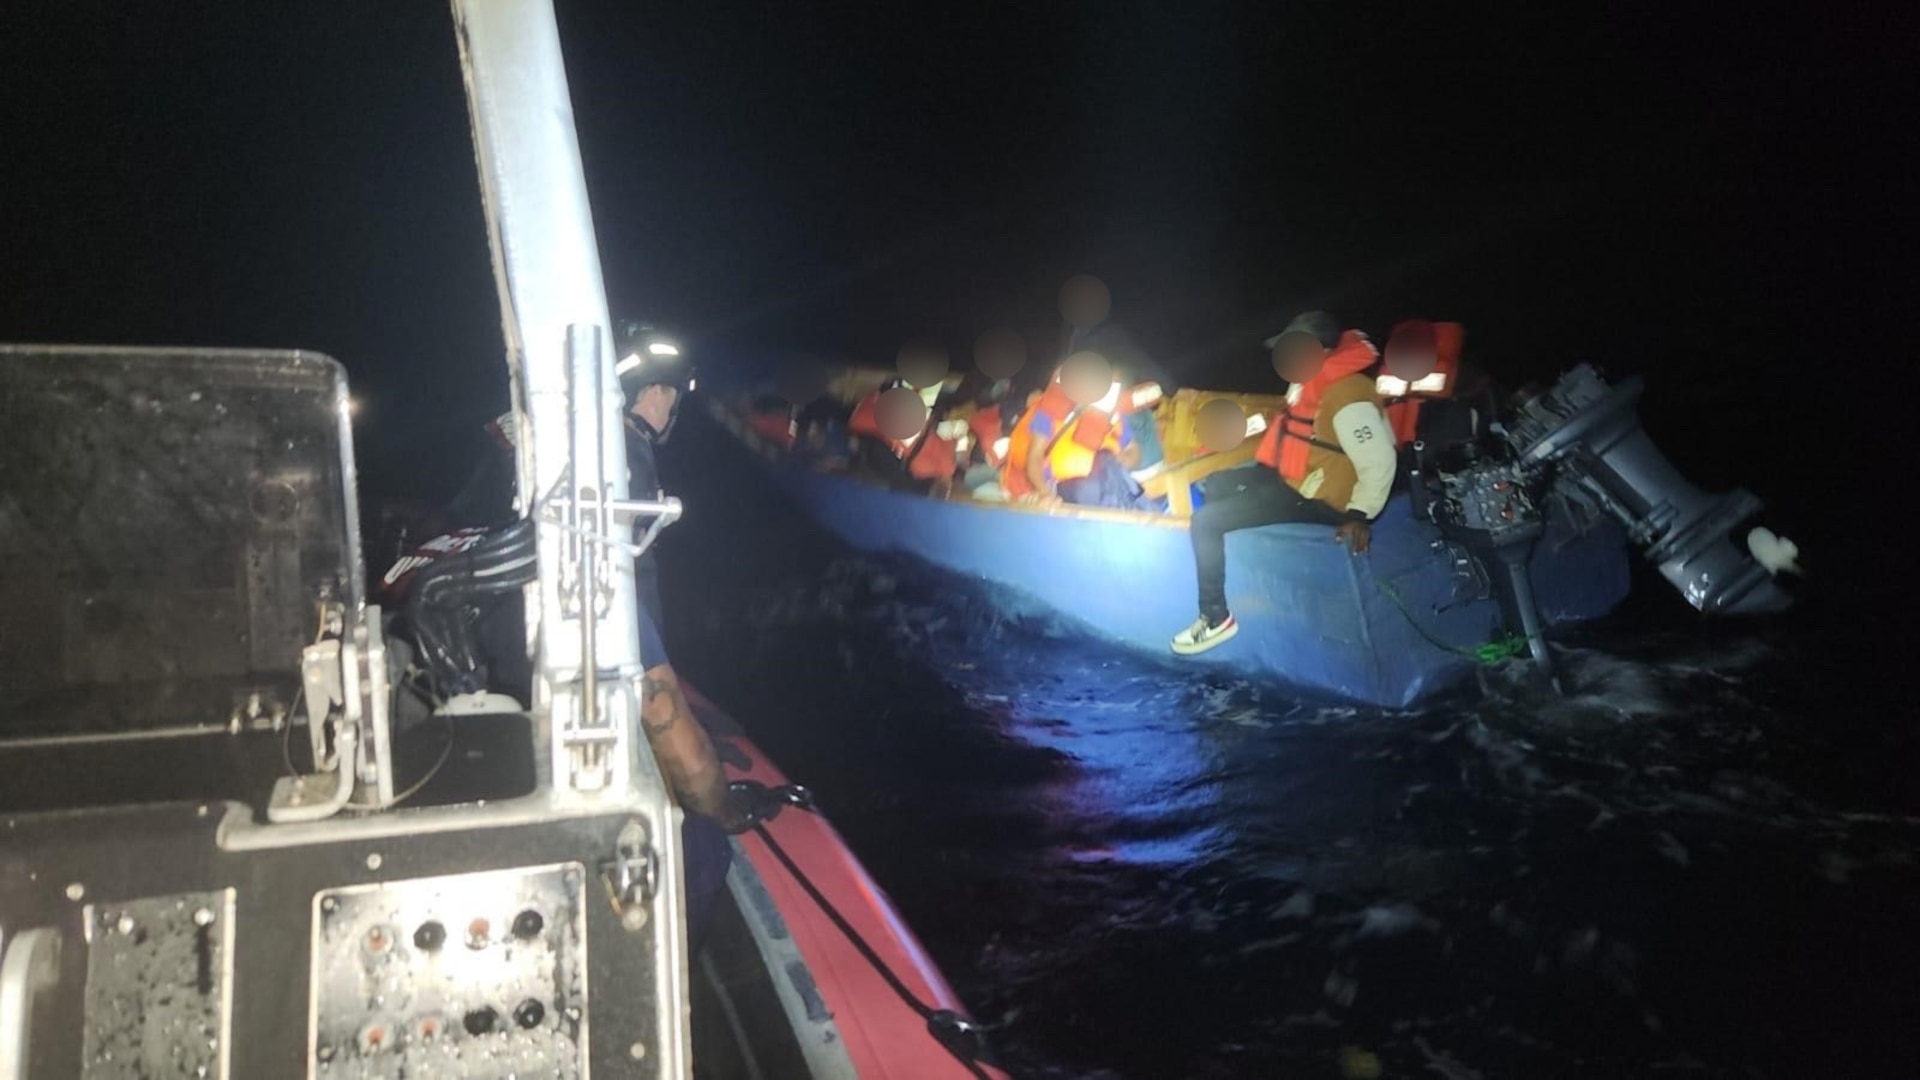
{"x":1588,"y":432}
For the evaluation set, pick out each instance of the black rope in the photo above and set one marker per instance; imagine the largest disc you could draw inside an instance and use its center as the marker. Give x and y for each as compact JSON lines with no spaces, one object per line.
{"x":947,"y":1027}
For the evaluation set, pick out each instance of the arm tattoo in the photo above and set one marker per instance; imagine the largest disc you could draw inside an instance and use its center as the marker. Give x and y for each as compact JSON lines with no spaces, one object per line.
{"x":686,"y":759}
{"x":661,"y":704}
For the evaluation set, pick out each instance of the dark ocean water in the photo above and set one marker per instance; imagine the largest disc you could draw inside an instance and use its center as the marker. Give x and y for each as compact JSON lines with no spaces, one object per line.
{"x":1701,"y":862}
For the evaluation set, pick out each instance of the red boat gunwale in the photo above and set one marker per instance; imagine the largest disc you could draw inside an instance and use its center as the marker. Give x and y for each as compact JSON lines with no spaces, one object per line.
{"x":883,"y":1035}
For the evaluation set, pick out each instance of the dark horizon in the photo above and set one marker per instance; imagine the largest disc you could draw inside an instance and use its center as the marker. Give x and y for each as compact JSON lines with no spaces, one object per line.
{"x":1647,"y":191}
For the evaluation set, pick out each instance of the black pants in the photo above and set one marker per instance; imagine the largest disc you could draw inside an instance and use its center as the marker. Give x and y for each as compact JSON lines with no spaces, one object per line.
{"x":708,"y":853}
{"x":1242,"y":499}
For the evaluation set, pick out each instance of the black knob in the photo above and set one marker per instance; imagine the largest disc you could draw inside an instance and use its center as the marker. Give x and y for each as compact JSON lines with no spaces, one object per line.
{"x":482,"y":1020}
{"x":528,"y":924}
{"x":529,"y":1013}
{"x":429,"y":937}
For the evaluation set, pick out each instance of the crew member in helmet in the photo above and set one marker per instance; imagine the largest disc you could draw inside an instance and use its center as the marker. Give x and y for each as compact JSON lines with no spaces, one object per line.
{"x":655,"y":378}
{"x":1327,"y":459}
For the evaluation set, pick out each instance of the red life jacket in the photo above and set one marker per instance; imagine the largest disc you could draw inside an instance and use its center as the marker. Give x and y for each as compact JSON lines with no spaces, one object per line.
{"x":928,"y":457}
{"x":1053,"y":404}
{"x":865,"y":421}
{"x":1403,"y":411}
{"x":1290,"y":435}
{"x":985,"y":425}
{"x":777,"y":428}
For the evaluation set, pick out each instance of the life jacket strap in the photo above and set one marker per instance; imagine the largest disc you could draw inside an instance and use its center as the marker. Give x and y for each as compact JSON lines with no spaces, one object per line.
{"x":1289,"y":418}
{"x":1066,"y":425}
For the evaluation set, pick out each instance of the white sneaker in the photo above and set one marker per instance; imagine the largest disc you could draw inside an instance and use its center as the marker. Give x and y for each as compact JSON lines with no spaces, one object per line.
{"x":1200,"y":637}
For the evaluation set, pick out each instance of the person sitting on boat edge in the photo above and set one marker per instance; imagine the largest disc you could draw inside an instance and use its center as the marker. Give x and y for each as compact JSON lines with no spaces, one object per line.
{"x":1073,"y":445}
{"x":1327,"y":458}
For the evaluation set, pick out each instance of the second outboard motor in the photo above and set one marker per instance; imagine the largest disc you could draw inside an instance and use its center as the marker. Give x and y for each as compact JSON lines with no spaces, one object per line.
{"x":1588,"y":434}
{"x":1491,"y":505}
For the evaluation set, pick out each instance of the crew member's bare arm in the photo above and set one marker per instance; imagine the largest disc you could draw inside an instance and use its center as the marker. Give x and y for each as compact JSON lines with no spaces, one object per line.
{"x":680,"y":746}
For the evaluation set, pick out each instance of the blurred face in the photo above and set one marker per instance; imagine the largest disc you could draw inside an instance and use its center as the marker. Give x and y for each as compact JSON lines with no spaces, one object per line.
{"x":1298,"y":356}
{"x":655,"y":405}
{"x":1086,"y":377}
{"x":1413,"y":352}
{"x":900,"y":414}
{"x":1221,"y":425}
{"x":1084,"y":301}
{"x":1000,"y":354}
{"x":922,"y":363}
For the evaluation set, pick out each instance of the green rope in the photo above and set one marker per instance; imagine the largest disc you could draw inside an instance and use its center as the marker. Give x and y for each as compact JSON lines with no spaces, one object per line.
{"x":1501,"y":648}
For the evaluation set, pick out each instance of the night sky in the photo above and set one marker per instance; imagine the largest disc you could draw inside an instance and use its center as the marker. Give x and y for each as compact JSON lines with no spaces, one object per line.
{"x":1677,"y":192}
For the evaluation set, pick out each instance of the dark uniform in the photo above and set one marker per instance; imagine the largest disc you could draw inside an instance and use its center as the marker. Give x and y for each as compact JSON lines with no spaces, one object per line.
{"x":643,"y":483}
{"x":707,"y":850}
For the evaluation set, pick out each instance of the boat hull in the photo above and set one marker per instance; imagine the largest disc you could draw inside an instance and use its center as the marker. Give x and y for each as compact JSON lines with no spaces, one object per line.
{"x":881,"y":1034}
{"x":1311,"y":614}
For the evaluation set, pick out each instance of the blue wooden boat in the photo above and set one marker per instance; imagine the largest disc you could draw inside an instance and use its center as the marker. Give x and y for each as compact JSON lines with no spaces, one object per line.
{"x":1388,"y":628}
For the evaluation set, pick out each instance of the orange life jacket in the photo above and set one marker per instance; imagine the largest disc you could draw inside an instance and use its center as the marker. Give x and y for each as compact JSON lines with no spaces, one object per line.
{"x":1054,"y":404}
{"x":928,"y":456}
{"x":1075,"y":449}
{"x":1403,"y":411}
{"x":1290,"y":437}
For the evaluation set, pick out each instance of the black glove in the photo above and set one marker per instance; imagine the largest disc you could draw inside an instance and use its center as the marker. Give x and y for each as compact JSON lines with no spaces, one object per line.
{"x":756,"y":802}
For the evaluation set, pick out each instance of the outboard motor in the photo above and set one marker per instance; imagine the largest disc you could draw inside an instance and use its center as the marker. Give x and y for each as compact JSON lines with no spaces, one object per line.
{"x":1579,"y":443}
{"x":1588,"y":435}
{"x":1493,"y":506}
